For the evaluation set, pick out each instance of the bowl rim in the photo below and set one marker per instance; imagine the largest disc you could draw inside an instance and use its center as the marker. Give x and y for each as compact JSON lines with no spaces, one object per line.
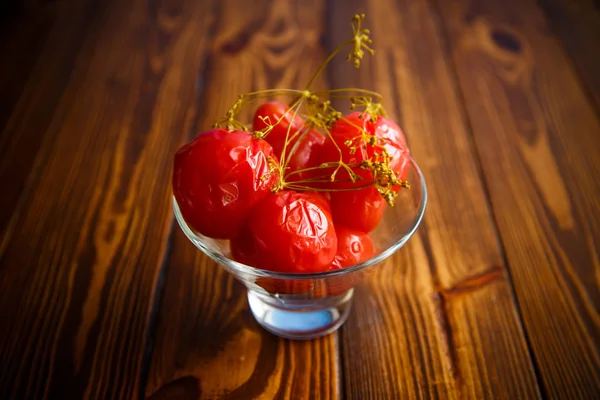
{"x":229,"y":263}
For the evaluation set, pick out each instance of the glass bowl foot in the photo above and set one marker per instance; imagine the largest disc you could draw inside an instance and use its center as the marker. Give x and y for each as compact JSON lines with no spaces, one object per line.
{"x":300,"y":319}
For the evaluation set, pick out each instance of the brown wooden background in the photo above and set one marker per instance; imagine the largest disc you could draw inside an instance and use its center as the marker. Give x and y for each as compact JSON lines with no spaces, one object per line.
{"x":101,"y":295}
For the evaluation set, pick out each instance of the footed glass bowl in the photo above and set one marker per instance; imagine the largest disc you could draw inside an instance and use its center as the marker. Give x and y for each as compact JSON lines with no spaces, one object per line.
{"x":306,"y":306}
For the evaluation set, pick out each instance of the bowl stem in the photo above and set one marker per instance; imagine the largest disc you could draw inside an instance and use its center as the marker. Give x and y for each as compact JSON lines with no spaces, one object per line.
{"x":300,"y":319}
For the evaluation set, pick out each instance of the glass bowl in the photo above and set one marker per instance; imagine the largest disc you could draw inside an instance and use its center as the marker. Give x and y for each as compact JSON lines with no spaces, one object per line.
{"x":306,"y":306}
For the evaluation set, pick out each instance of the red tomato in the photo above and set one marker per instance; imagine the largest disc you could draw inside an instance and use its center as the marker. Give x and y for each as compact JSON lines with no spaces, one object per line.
{"x":323,"y":200}
{"x":395,"y":144}
{"x":274,"y":111}
{"x":243,"y":250}
{"x":305,"y":154}
{"x":354,"y":247}
{"x":341,"y":133}
{"x":218,"y":178}
{"x":387,"y":130}
{"x":242,"y":247}
{"x":291,"y":232}
{"x":358,"y":209}
{"x":349,"y":128}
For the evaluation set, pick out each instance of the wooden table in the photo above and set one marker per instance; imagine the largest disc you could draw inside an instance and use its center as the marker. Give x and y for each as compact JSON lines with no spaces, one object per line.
{"x":497,"y":296}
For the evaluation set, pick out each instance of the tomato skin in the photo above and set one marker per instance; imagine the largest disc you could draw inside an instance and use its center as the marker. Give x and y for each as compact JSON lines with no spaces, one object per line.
{"x":305,"y":154}
{"x":275,"y":110}
{"x":358,"y":209}
{"x":349,"y":128}
{"x":383,"y":128}
{"x":341,"y":132}
{"x":218,"y":179}
{"x":322,"y":200}
{"x":242,"y":247}
{"x":395,"y":144}
{"x":243,"y":250}
{"x":291,"y":232}
{"x":354,"y":247}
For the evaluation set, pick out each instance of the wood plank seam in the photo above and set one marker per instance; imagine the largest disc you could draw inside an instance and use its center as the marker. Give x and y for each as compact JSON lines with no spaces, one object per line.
{"x":203,"y":75}
{"x":154,"y":309}
{"x":589,"y":95}
{"x":444,"y":38}
{"x":442,"y":312}
{"x":443,"y":297}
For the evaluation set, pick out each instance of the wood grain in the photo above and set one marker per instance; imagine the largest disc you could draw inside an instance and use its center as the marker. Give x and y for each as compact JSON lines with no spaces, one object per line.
{"x":538,"y":138}
{"x":40,"y":44}
{"x":102,"y":296}
{"x":208,"y":345}
{"x":80,"y":255}
{"x":438,"y":320}
{"x":577,"y":24}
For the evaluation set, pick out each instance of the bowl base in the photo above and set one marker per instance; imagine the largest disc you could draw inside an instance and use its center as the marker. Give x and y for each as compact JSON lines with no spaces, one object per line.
{"x":300,"y":319}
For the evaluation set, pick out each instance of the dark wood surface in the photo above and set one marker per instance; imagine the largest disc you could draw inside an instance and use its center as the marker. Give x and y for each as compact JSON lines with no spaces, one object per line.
{"x":102,"y":296}
{"x":539,"y":140}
